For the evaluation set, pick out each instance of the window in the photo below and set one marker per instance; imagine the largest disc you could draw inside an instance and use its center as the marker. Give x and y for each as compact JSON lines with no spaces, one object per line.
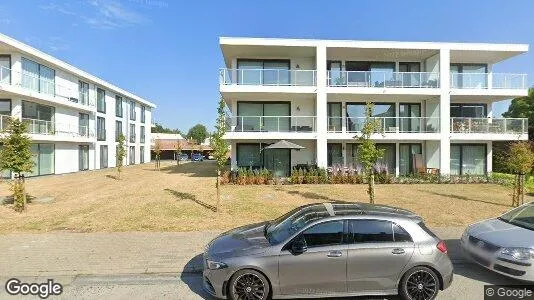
{"x":385,"y":112}
{"x":39,"y":118}
{"x":100,"y":100}
{"x":275,"y":160}
{"x":83,"y":89}
{"x":472,"y":110}
{"x":385,"y":164}
{"x":83,"y":157}
{"x":5,"y":110}
{"x":469,"y":75}
{"x":334,"y":117}
{"x":400,"y":235}
{"x":4,"y":173}
{"x":324,"y":234}
{"x":468,"y":159}
{"x":43,"y":159}
{"x":250,"y":112}
{"x":37,"y":77}
{"x":334,"y":154}
{"x":83,"y":123}
{"x":5,"y":69}
{"x":142,"y":154}
{"x":410,"y":118}
{"x":132,"y":110}
{"x":118,"y":106}
{"x":370,"y":231}
{"x":258,"y":72}
{"x":103,"y":156}
{"x":132,"y":133}
{"x":118,"y":130}
{"x":142,"y":134}
{"x":406,"y":157}
{"x":132,"y":155}
{"x":100,"y":129}
{"x":143,"y":114}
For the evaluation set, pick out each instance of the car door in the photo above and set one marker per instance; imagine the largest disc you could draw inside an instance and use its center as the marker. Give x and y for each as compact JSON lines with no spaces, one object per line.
{"x":322,"y":268}
{"x":378,"y":250}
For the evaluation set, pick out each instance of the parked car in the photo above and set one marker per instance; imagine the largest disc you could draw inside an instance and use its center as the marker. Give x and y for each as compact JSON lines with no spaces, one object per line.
{"x":505,"y":244}
{"x":197,"y":157}
{"x":211,"y":157}
{"x":329,"y":249}
{"x":183,"y":156}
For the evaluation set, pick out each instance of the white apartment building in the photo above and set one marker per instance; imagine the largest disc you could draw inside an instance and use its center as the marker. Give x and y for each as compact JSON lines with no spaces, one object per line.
{"x":433,"y":100}
{"x":73,"y":117}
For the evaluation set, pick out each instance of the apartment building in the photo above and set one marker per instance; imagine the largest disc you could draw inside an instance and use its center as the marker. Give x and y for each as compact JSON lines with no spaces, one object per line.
{"x":433,"y":101}
{"x":73,"y":117}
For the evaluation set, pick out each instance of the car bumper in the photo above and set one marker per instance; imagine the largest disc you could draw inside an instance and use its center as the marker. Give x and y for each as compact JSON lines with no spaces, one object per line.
{"x":507,"y":266}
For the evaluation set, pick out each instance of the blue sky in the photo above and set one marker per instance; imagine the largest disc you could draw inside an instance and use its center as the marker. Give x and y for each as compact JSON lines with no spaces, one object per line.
{"x":167,"y":50}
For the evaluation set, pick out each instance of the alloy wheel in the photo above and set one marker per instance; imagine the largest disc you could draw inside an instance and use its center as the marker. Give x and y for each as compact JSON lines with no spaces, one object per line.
{"x":249,"y":287}
{"x":421,"y":285}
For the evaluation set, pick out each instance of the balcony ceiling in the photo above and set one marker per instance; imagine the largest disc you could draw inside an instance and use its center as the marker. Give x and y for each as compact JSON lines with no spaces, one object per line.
{"x":481,"y":56}
{"x":379,"y":54}
{"x":258,"y":51}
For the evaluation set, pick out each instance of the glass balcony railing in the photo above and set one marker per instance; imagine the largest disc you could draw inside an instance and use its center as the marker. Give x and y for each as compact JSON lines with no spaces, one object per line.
{"x":44,"y":127}
{"x":43,"y":86}
{"x":271,"y":124}
{"x":490,"y":125}
{"x":383,"y":79}
{"x":267,"y":77}
{"x":488,"y":81}
{"x":387,"y":124}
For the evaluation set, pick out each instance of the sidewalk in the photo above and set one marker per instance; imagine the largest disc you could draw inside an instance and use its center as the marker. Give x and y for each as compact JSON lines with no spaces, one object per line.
{"x":72,"y":254}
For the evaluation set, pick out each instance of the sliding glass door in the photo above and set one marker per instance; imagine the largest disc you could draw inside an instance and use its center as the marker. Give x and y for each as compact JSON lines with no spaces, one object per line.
{"x":468,"y":159}
{"x":272,"y":120}
{"x":334,"y":117}
{"x":410,"y":117}
{"x":43,"y":158}
{"x":263,"y":116}
{"x":278,"y":161}
{"x":384,"y":112}
{"x":254,"y":156}
{"x":263,"y":72}
{"x":334,"y":154}
{"x":83,"y":157}
{"x":469,"y":76}
{"x":406,"y":153}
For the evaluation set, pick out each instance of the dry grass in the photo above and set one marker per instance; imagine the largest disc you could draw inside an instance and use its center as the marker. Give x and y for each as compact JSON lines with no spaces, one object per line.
{"x":180,"y":198}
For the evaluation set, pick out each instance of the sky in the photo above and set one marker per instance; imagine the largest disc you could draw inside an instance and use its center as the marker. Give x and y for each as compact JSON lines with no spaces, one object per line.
{"x":167,"y":51}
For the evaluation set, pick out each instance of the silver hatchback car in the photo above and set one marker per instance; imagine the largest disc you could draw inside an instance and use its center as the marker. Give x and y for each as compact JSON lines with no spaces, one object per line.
{"x":332,"y":249}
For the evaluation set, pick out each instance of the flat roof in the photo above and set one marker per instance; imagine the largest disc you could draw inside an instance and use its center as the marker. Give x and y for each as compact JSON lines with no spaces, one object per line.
{"x":11,"y":42}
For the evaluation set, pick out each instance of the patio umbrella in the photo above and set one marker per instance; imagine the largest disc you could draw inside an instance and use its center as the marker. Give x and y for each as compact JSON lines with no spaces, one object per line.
{"x":283,"y":144}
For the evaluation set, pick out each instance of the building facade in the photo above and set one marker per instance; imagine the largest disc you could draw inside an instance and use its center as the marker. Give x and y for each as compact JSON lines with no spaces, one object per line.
{"x":73,"y":118}
{"x":433,"y":101}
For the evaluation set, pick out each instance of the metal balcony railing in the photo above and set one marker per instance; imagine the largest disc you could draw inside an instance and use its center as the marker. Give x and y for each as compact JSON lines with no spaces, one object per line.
{"x":383,"y":79}
{"x":267,"y":77}
{"x":488,"y":81}
{"x":490,"y":125}
{"x":271,"y":124}
{"x":43,"y":86}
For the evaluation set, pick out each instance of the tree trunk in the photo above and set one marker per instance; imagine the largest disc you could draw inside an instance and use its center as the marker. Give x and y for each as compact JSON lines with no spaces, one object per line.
{"x":23,"y":189}
{"x":371,"y":187}
{"x":218,"y":191}
{"x":522,"y":190}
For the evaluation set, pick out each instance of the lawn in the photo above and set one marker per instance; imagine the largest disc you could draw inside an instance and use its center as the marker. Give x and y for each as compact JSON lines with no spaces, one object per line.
{"x":179,"y":198}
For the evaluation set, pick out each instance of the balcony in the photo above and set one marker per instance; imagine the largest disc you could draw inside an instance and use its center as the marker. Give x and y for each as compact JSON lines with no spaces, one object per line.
{"x":43,"y":127}
{"x":488,"y":81}
{"x":381,"y":79}
{"x":387,"y":124}
{"x":267,"y":77}
{"x":48,"y":88}
{"x":490,"y":125}
{"x":300,"y":124}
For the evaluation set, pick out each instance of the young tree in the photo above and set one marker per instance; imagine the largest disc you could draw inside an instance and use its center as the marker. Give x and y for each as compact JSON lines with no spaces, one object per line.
{"x":157,"y":152}
{"x":220,"y":145}
{"x":367,"y":151}
{"x":198,"y":133}
{"x":121,"y":154}
{"x":178,"y":151}
{"x":16,"y":157}
{"x":520,"y":161}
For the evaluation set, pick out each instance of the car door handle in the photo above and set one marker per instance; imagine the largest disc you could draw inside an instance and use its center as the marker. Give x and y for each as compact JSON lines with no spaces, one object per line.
{"x":397,"y":251}
{"x":334,"y":254}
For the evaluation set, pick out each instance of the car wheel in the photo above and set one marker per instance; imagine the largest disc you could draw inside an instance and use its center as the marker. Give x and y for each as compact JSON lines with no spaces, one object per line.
{"x":419,"y":283}
{"x":248,"y":285}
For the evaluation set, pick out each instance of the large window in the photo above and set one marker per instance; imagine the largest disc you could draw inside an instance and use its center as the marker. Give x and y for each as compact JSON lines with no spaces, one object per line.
{"x":83,"y":89}
{"x":376,"y":231}
{"x":5,"y":107}
{"x":324,"y":234}
{"x":83,"y":125}
{"x":334,"y":117}
{"x":276,"y":160}
{"x":259,"y":116}
{"x":43,"y":159}
{"x":37,"y":77}
{"x":103,"y":156}
{"x":334,"y":154}
{"x":385,"y":112}
{"x":387,"y":162}
{"x":5,"y":69}
{"x":142,"y":134}
{"x":132,"y":133}
{"x":132,"y":110}
{"x":118,"y":106}
{"x":132,"y":155}
{"x":118,"y":130}
{"x":406,"y":157}
{"x":39,"y":118}
{"x":143,"y":114}
{"x":263,"y":72}
{"x":469,"y":75}
{"x":100,"y":129}
{"x":142,"y":154}
{"x":468,"y":159}
{"x":83,"y":157}
{"x":472,"y":110}
{"x":364,"y":73}
{"x":409,"y":118}
{"x":100,"y":100}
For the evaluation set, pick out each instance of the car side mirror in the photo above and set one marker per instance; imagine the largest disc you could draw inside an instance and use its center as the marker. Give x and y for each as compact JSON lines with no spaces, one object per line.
{"x":299,"y":246}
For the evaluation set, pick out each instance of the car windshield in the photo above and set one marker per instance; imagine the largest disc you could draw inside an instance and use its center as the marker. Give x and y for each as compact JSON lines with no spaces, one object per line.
{"x":522,"y":216}
{"x":283,"y":227}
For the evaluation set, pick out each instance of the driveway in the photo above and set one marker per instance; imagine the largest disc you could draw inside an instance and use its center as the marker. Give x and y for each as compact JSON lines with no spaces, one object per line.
{"x":136,"y":265}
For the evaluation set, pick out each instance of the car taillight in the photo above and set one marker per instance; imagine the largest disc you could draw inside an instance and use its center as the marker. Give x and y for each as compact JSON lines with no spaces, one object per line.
{"x":442,"y":247}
